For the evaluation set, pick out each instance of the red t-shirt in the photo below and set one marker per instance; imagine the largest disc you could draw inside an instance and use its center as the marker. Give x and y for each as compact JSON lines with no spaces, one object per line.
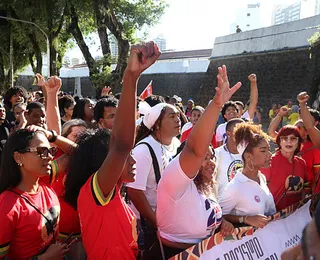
{"x":285,"y":179}
{"x":24,"y":232}
{"x":312,"y":157}
{"x":185,"y":135}
{"x":69,"y":217}
{"x":107,"y":223}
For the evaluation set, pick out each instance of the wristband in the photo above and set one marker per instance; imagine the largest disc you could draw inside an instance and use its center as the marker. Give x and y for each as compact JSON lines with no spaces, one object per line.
{"x":53,"y":137}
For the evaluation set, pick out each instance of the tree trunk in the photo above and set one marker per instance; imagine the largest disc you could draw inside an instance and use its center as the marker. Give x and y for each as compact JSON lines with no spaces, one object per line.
{"x":77,"y":34}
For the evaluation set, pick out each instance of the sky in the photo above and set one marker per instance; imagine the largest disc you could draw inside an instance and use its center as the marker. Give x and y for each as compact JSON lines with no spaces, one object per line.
{"x":194,"y":24}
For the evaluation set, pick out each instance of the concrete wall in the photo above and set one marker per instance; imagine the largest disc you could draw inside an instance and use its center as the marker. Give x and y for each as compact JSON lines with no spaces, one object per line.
{"x":277,"y":37}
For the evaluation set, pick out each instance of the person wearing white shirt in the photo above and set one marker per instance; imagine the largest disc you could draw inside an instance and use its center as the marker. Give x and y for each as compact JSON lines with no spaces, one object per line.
{"x":158,"y":129}
{"x":187,"y":209}
{"x":247,"y":199}
{"x":232,"y":110}
{"x":228,"y":159}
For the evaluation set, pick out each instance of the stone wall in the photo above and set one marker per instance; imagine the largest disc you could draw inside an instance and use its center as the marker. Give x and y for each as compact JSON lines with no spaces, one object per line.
{"x":281,"y":75}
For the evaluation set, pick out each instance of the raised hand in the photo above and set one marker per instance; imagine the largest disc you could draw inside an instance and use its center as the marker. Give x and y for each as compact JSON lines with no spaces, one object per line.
{"x":142,"y":57}
{"x":106,"y":91}
{"x":53,"y":85}
{"x":223,"y":90}
{"x":303,"y":97}
{"x":252,"y":78}
{"x":40,"y":80}
{"x":283,"y":111}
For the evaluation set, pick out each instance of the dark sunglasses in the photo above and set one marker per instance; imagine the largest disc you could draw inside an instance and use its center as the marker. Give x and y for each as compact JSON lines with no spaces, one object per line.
{"x":42,"y":152}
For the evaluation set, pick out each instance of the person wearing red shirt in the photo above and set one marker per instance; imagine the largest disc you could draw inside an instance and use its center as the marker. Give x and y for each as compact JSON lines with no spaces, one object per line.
{"x":29,"y":208}
{"x":100,"y":165}
{"x":288,"y":172}
{"x":312,"y":157}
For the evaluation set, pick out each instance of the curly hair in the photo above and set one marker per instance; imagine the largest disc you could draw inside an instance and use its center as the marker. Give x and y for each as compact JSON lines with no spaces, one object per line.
{"x":93,"y":148}
{"x":249,"y":133}
{"x":225,"y":107}
{"x":13,"y":91}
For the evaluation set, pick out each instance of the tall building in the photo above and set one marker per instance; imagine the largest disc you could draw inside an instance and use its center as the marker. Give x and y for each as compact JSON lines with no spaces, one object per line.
{"x":308,"y":8}
{"x":247,"y":18}
{"x":161,"y":42}
{"x":284,"y":14}
{"x":317,"y":8}
{"x":113,"y":46}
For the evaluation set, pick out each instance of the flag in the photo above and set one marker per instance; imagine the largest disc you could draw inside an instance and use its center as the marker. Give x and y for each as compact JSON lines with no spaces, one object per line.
{"x":147,"y":91}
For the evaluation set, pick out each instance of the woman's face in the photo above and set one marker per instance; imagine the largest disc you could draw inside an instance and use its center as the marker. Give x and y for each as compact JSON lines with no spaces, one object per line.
{"x":261,"y":155}
{"x":88,"y":110}
{"x":75,"y":132}
{"x":208,"y":166}
{"x":129,"y":171}
{"x":170,"y":124}
{"x":289,"y":143}
{"x":231,"y":112}
{"x":190,"y":104}
{"x":16,"y":98}
{"x":69,"y":110}
{"x":195,"y":115}
{"x":32,"y":163}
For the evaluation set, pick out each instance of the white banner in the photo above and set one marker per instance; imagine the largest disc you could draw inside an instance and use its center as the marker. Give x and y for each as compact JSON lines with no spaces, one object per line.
{"x":267,"y":243}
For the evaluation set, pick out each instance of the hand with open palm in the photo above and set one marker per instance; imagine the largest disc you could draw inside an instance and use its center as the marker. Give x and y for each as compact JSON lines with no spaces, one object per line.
{"x":223,"y":90}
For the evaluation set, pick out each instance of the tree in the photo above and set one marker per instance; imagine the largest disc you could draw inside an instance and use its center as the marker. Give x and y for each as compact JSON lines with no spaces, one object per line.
{"x":121,"y":18}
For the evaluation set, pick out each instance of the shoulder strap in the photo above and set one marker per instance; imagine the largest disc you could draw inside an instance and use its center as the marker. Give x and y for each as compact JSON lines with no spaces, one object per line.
{"x":32,"y":205}
{"x":154,"y":161}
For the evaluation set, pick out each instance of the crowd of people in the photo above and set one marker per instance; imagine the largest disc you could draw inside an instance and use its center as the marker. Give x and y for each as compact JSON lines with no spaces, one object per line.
{"x":125,"y":178}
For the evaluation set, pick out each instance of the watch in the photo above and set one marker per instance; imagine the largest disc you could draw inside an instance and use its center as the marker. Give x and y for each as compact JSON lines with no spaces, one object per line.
{"x":241,"y":219}
{"x":53,"y":137}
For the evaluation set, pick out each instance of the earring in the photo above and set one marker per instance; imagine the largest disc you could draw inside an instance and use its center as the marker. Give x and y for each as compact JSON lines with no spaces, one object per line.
{"x":19,"y":164}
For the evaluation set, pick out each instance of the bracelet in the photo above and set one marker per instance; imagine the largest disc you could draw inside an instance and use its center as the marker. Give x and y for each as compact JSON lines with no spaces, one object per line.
{"x":245,"y":219}
{"x":53,"y":137}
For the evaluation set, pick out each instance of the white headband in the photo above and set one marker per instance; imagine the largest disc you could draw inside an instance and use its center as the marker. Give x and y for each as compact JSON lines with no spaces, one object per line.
{"x":241,"y":147}
{"x":152,"y":115}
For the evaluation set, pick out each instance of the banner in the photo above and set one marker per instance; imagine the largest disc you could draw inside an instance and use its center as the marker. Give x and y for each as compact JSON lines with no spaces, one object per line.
{"x":268,"y":243}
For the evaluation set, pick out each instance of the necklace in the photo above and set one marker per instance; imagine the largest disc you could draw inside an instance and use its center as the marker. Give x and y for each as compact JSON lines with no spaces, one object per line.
{"x":227,"y":150}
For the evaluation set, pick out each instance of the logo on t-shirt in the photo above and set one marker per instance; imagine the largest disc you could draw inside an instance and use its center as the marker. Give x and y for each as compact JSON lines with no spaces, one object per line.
{"x":233,"y":168}
{"x":293,"y":184}
{"x":215,"y":216}
{"x":257,"y":198}
{"x":53,"y":215}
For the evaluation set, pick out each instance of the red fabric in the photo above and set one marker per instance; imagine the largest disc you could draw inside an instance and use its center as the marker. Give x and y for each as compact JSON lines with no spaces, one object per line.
{"x":22,"y":226}
{"x":106,"y":230}
{"x":147,"y":91}
{"x":284,"y":176}
{"x":312,"y":157}
{"x":69,"y":217}
{"x":185,"y":135}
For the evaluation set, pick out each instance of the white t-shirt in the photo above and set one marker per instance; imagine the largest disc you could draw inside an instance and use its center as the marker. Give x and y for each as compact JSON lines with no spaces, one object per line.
{"x":186,"y":127}
{"x":221,"y":135}
{"x":221,"y":129}
{"x":145,"y":177}
{"x":183,"y":214}
{"x":245,"y":197}
{"x":227,"y":165}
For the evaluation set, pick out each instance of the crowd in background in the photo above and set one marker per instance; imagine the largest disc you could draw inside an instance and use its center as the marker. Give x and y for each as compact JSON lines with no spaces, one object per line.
{"x":125,"y":178}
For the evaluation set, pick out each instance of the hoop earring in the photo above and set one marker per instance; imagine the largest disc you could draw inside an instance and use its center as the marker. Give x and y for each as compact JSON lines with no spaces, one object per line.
{"x":250,"y":168}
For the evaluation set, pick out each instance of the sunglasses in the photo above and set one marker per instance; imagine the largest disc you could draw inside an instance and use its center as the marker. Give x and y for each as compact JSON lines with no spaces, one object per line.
{"x":289,"y":138}
{"x":42,"y":152}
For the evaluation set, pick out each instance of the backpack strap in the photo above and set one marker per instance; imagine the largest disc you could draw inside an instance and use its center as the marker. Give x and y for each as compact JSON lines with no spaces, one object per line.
{"x":154,"y":161}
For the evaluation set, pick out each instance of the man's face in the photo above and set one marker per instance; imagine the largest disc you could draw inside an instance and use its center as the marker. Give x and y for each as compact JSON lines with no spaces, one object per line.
{"x":109,"y":114}
{"x":290,"y":103}
{"x":231,"y":112}
{"x":37,"y":116}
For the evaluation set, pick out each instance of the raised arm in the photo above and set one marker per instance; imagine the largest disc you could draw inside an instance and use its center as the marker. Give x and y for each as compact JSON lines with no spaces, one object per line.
{"x":123,"y":132}
{"x":51,"y":89}
{"x":199,"y":140}
{"x":272,"y":130}
{"x":253,"y":95}
{"x":308,"y":120}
